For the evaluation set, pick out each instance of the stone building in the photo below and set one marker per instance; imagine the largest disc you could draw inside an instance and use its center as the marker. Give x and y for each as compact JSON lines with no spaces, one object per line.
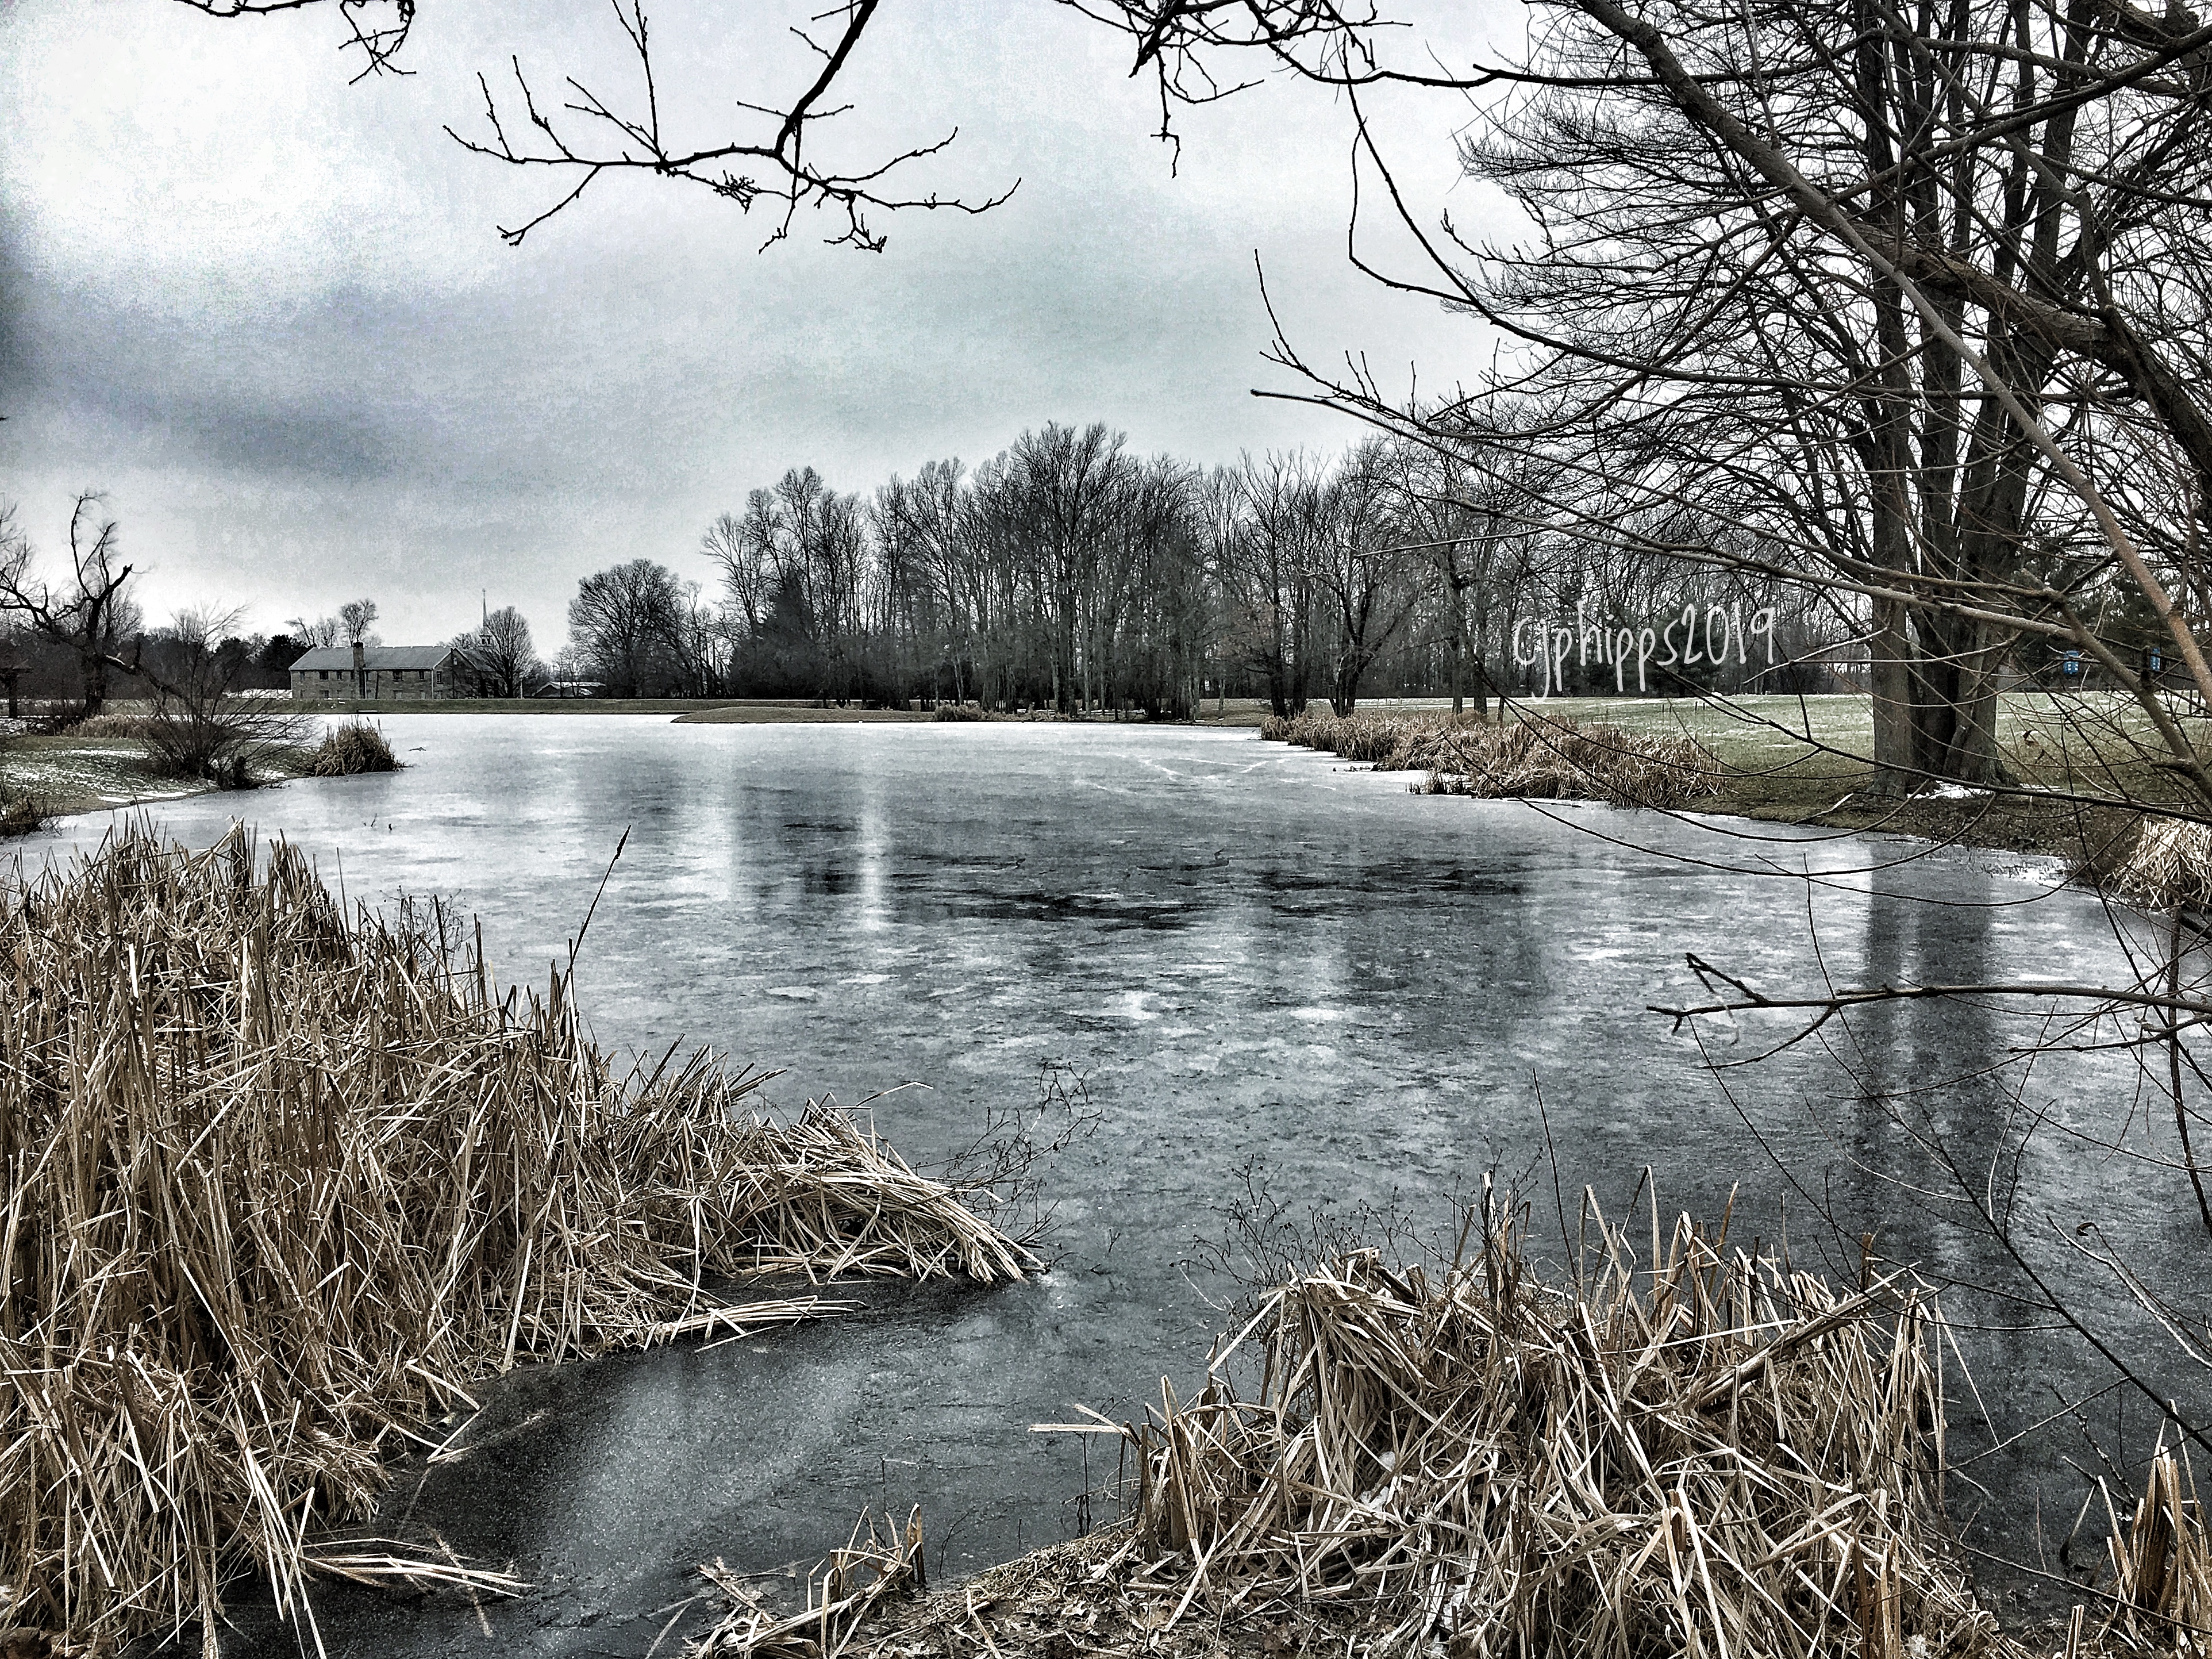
{"x":375,"y":673}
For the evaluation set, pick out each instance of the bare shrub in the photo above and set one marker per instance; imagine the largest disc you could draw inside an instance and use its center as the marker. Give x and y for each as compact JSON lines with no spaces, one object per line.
{"x":199,"y":727}
{"x":225,"y":741}
{"x":22,"y":811}
{"x":284,"y":1184}
{"x":960,"y":712}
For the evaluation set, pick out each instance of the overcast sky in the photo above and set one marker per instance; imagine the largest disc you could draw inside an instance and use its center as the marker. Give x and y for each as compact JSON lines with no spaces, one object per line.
{"x":268,"y":313}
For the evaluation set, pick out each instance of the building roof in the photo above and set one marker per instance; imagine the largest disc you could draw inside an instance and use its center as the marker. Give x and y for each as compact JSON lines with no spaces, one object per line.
{"x":386,"y":657}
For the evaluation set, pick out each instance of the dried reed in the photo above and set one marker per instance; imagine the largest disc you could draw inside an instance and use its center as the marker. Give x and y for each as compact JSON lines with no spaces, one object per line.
{"x":841,"y":1594}
{"x":281,"y":1185}
{"x":1547,"y":758}
{"x":354,"y":746}
{"x":1713,"y":1455}
{"x":2166,"y":863}
{"x":1708,"y":1455}
{"x":113,"y":723}
{"x":2161,"y":1561}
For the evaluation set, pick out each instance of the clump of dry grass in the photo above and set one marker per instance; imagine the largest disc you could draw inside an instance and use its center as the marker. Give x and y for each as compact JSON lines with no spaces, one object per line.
{"x":21,"y":813}
{"x":1542,"y":758}
{"x":113,"y":723}
{"x":2161,"y":1563}
{"x":961,"y":711}
{"x":2166,"y":865}
{"x":1557,"y":759}
{"x":352,"y":746}
{"x":1709,"y":1455}
{"x":1712,"y":1455}
{"x":1370,"y":738}
{"x":280,"y":1185}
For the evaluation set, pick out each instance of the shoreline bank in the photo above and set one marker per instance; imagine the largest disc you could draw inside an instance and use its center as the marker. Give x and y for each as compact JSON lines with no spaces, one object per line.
{"x":1799,"y":762}
{"x":1765,"y":774}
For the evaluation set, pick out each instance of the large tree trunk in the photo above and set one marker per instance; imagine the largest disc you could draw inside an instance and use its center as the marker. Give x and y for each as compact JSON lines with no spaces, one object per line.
{"x":1458,"y":649}
{"x":1479,"y":631}
{"x":1350,"y":669}
{"x":92,"y":665}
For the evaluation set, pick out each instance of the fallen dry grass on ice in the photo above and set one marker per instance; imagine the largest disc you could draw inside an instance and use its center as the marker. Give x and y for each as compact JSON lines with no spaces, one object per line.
{"x":284,"y":1184}
{"x":1543,"y":759}
{"x":1709,"y":1455}
{"x":2163,"y":864}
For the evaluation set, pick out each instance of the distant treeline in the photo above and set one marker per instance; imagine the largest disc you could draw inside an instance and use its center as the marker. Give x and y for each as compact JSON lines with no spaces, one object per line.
{"x":1068,"y":573}
{"x":39,"y":672}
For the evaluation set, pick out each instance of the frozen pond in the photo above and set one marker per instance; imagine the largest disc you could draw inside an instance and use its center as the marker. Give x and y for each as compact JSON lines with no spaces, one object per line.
{"x":1275,"y":975}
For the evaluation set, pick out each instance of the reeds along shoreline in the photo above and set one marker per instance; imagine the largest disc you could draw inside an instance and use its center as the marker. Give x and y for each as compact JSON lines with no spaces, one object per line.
{"x":284,"y":1184}
{"x":1710,"y":1455}
{"x":1704,"y":1453}
{"x":1545,"y":759}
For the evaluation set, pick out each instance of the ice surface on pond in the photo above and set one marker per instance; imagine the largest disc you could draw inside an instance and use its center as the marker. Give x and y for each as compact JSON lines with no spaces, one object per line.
{"x":1276,"y":974}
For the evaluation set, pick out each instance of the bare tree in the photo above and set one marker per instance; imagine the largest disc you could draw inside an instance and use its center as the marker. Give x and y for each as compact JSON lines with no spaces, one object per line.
{"x":499,"y":655}
{"x":624,"y":621}
{"x":1359,"y":558}
{"x":1474,"y":509}
{"x":90,"y":614}
{"x":355,"y":617}
{"x":1264,"y":562}
{"x":14,"y":657}
{"x":316,"y":633}
{"x":379,"y":28}
{"x":742,"y":549}
{"x":770,"y":155}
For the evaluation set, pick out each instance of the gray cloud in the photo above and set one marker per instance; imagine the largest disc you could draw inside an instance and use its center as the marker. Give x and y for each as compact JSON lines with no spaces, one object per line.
{"x":268,"y":311}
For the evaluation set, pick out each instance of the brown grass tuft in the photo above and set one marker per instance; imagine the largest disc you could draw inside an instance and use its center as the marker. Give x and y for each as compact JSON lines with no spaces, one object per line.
{"x":354,"y":746}
{"x":281,"y":1185}
{"x":111,"y":724}
{"x":2166,"y":863}
{"x":1714,"y":1454}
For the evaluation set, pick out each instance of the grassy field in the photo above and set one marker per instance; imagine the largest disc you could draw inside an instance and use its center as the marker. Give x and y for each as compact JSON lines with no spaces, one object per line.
{"x":791,"y":714}
{"x":69,"y":774}
{"x":1807,"y":761}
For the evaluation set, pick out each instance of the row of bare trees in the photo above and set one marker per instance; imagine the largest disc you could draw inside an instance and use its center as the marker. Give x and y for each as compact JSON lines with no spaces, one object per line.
{"x":1069,"y":573}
